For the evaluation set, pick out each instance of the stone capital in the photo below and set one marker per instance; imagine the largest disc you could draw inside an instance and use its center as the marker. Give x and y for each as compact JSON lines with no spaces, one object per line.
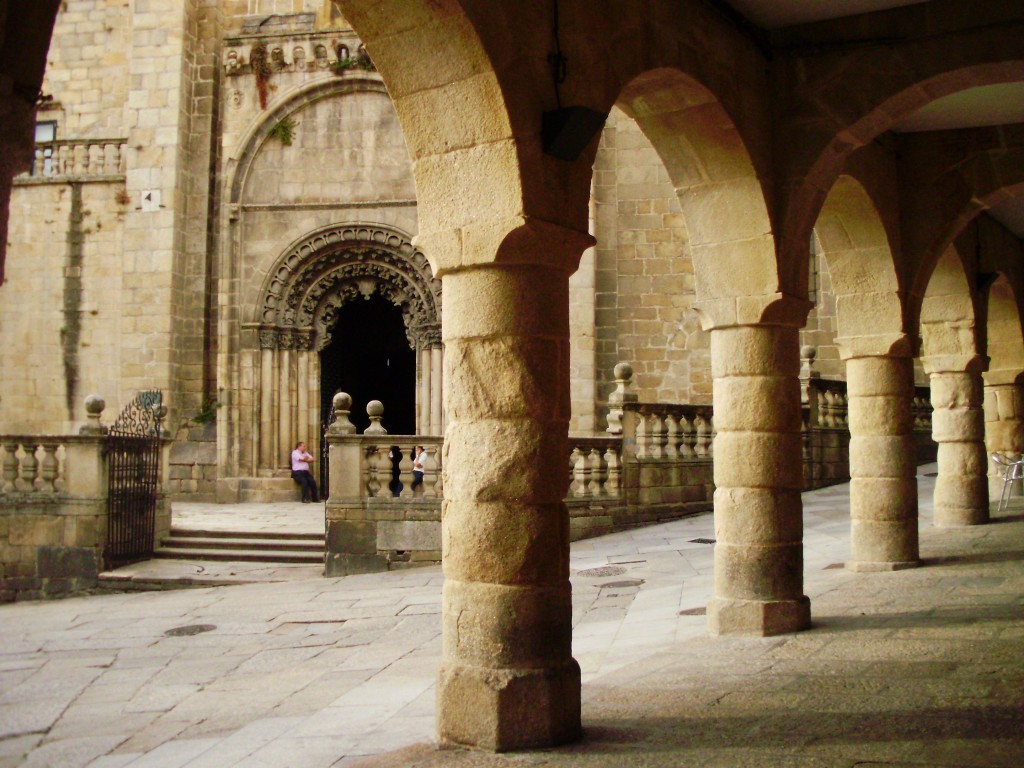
{"x":880,"y":345}
{"x":519,"y":241}
{"x":1004,"y":377}
{"x":773,"y":309}
{"x":936,"y":364}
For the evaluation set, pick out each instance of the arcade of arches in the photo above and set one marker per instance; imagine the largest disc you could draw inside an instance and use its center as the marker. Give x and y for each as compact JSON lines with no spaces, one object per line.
{"x":756,"y":187}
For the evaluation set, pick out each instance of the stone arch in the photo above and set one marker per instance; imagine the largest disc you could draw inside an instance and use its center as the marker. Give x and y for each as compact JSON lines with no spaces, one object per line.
{"x":948,"y":312}
{"x":720,"y":190}
{"x":857,"y":248}
{"x":1005,"y":340}
{"x":323,"y":270}
{"x":831,"y":129}
{"x":259,"y":132}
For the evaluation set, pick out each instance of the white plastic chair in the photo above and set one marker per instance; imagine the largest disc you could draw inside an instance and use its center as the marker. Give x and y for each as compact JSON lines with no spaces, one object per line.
{"x":1012,"y":471}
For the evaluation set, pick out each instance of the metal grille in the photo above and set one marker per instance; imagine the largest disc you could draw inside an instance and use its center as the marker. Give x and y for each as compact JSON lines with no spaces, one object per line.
{"x":325,"y":453}
{"x":133,"y":467}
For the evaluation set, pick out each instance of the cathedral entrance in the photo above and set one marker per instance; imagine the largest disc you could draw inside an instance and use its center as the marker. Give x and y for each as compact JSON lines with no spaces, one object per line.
{"x":370,"y":358}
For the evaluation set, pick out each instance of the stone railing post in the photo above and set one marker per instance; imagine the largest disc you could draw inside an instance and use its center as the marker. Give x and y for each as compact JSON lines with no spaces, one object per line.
{"x":623,"y":393}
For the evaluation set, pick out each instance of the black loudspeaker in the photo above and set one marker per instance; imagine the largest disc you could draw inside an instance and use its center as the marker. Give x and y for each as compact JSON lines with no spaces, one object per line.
{"x":566,"y":132}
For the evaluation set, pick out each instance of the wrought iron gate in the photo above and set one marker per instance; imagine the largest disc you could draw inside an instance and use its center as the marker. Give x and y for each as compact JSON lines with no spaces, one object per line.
{"x":133,"y":467}
{"x":325,"y":454}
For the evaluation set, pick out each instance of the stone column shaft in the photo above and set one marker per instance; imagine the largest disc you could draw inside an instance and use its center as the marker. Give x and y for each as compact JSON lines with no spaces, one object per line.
{"x":883,"y":464}
{"x":266,"y":423}
{"x":758,"y":479}
{"x":958,"y":426}
{"x":1004,"y":428}
{"x":507,"y":678}
{"x":436,"y":391}
{"x":423,"y":395}
{"x":286,"y":403}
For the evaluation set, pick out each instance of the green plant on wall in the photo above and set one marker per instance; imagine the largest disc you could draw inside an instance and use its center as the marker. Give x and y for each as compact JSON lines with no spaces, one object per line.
{"x":284,"y":131}
{"x":207,"y":412}
{"x":343,"y":65}
{"x":260,"y":63}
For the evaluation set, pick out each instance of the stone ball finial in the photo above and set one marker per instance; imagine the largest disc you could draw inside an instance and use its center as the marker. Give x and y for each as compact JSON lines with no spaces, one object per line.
{"x":342,"y":401}
{"x":94,"y":405}
{"x":807,"y":352}
{"x":623,"y":371}
{"x":375,"y":408}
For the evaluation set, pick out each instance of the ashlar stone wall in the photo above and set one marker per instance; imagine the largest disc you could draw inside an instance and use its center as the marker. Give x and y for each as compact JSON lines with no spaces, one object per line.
{"x":644,"y":274}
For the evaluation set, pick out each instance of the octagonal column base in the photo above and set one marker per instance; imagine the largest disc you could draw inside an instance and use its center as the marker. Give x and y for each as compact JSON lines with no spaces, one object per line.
{"x":508,"y":709}
{"x":758,"y":618}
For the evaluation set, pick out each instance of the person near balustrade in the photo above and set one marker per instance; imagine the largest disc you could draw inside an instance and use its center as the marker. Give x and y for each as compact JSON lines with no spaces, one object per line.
{"x":420,"y":454}
{"x":301,"y":474}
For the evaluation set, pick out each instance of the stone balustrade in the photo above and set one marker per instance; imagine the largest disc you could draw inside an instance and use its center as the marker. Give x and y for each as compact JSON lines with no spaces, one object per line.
{"x":78,"y":159}
{"x":595,"y":468}
{"x":388,"y":467}
{"x":33,"y":464}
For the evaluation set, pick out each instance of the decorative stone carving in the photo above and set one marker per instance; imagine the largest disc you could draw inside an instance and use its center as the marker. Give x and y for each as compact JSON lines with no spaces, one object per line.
{"x":333,"y":266}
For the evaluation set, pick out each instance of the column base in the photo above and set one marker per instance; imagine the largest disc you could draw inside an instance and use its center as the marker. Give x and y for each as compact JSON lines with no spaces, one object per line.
{"x":867,"y":566}
{"x":948,"y":517}
{"x":507,"y":709}
{"x":759,"y":618}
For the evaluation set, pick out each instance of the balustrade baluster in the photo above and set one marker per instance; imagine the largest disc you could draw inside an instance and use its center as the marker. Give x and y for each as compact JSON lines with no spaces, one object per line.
{"x":110,"y":159}
{"x":703,"y":436}
{"x":29,"y":467}
{"x":11,"y":467}
{"x":431,"y":475}
{"x":596,"y":473}
{"x":94,"y":159}
{"x":711,"y":437}
{"x":657,"y":436}
{"x":574,"y":454}
{"x":79,"y":159}
{"x":62,"y":161}
{"x":613,"y":482}
{"x":687,"y":437}
{"x":671,"y":436}
{"x":643,"y":440}
{"x":843,"y":414}
{"x":49,"y":467}
{"x":405,"y":471}
{"x":372,"y":471}
{"x":581,"y":474}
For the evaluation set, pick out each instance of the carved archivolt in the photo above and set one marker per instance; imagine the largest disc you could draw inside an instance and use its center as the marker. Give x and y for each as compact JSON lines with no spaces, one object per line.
{"x":329,"y":268}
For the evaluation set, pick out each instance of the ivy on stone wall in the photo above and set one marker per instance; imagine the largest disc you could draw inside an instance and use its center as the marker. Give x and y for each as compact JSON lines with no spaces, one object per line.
{"x":260,"y":63}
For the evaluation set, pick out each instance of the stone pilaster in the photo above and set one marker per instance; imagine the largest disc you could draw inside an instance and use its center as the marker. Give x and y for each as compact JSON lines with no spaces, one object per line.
{"x":958,"y":426}
{"x":758,"y":478}
{"x":883,"y":485}
{"x":507,"y":679}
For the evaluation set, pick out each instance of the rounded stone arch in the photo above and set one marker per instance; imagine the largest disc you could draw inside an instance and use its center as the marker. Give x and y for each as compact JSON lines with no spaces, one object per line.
{"x":288,"y":104}
{"x":720,"y":190}
{"x":948,"y":318}
{"x":1004,"y":334}
{"x":910,"y":83}
{"x":325,"y":269}
{"x":856,"y":246}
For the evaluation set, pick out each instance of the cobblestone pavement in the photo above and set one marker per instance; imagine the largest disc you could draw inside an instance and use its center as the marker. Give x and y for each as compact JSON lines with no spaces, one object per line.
{"x":922,"y":667}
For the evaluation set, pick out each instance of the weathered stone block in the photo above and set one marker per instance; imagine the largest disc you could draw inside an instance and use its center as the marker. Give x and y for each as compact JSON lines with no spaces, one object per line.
{"x":409,"y":535}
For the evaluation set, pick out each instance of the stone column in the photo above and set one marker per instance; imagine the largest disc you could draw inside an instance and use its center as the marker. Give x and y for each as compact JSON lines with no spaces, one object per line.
{"x":883,"y":463}
{"x":758,"y":479}
{"x":958,"y":426}
{"x":436,"y":390}
{"x":423,"y":393}
{"x":1004,"y":427}
{"x":507,"y":678}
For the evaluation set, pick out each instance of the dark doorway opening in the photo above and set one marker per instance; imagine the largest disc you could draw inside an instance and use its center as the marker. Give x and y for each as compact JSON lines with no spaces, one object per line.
{"x":369,"y":357}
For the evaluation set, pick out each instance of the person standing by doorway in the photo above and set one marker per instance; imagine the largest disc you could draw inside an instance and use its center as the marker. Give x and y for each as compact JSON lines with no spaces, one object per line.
{"x":302,"y":475}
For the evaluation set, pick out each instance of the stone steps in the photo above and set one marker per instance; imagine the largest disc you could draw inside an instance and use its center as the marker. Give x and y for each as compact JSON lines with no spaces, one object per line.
{"x":257,"y":546}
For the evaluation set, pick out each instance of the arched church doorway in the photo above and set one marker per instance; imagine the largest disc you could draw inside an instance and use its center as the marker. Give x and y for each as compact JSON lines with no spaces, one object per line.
{"x":370,"y":357}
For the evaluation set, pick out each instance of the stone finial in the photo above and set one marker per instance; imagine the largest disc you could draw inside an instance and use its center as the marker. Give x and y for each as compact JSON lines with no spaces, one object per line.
{"x":623,"y":393}
{"x":94,"y":405}
{"x":375,"y":410}
{"x":342,"y":403}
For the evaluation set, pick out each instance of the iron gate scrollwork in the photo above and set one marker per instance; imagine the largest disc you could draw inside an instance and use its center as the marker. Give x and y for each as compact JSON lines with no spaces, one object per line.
{"x":133,"y":471}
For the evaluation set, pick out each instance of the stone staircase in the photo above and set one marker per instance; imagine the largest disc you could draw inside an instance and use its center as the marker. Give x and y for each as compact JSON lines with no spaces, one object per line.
{"x":258,"y":547}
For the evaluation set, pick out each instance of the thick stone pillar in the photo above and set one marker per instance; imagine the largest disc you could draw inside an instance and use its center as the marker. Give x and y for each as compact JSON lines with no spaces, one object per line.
{"x":958,"y":426}
{"x":883,"y":463}
{"x":423,"y":393}
{"x":1004,"y":426}
{"x":507,"y":678}
{"x":758,"y":479}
